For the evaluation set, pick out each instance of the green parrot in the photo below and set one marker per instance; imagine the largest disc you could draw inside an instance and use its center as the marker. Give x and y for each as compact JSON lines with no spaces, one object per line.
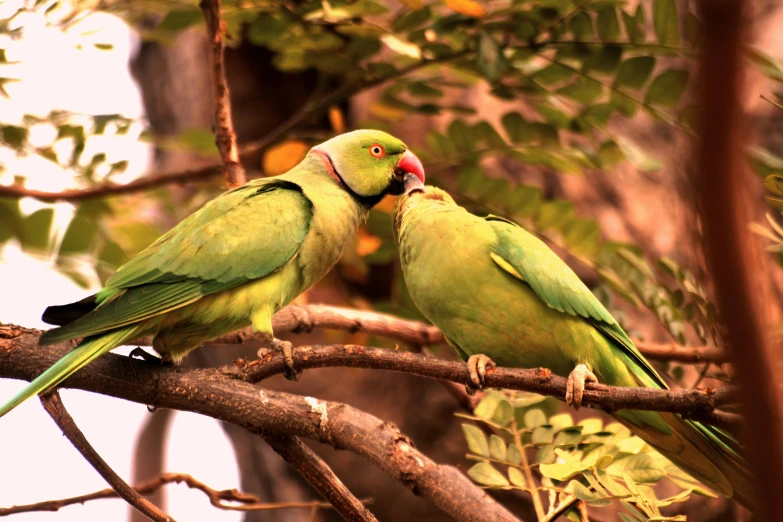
{"x":236,"y":261}
{"x":496,"y":291}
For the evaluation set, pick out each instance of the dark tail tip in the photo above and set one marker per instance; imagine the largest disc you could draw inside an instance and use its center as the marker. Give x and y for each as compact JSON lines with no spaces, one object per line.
{"x":64,"y":314}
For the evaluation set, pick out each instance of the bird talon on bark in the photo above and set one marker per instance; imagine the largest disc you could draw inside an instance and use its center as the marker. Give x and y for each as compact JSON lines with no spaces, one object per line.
{"x":575,"y":386}
{"x":290,"y":373}
{"x":477,"y":367}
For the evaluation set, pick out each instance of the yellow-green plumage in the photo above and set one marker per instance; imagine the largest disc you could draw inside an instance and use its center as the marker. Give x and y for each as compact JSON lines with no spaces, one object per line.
{"x":494,"y":289}
{"x":236,"y":261}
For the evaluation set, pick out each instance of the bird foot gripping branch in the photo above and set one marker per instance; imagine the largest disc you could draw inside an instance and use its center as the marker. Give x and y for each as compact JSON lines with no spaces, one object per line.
{"x":287,"y":349}
{"x":575,"y":387}
{"x":477,"y":367}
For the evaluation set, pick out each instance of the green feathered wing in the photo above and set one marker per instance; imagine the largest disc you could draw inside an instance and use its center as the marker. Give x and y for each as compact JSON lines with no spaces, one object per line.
{"x":706,"y":452}
{"x":244,"y":235}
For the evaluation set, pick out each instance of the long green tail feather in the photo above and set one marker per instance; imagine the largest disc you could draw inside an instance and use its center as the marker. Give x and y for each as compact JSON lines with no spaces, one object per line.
{"x":89,"y":349}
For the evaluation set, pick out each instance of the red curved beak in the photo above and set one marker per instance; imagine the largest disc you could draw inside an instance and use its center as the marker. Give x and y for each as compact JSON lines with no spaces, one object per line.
{"x":410,"y":164}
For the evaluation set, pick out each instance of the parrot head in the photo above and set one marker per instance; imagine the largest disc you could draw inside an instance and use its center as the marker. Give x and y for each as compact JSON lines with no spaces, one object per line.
{"x":369,"y":163}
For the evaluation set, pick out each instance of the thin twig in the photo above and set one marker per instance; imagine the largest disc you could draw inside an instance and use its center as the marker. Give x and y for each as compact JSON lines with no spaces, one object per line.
{"x":56,"y":410}
{"x":321,"y":477}
{"x":538,"y":505}
{"x":561,"y":508}
{"x":218,"y":498}
{"x":225,"y":137}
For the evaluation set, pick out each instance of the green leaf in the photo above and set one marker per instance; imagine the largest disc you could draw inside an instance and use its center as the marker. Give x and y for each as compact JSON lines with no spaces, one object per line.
{"x":580,"y":491}
{"x":581,"y":26}
{"x":534,"y":418}
{"x":641,"y":468}
{"x":485,"y":474}
{"x":666,"y":21}
{"x":667,"y":88}
{"x":10,"y":220}
{"x":591,"y":425}
{"x":268,"y":28}
{"x":487,"y":406}
{"x":635,"y":72}
{"x":14,"y":136}
{"x":477,"y":441}
{"x":516,"y":477}
{"x":609,"y":154}
{"x":640,"y":159}
{"x":411,"y":20}
{"x":422,"y":90}
{"x":774,"y":184}
{"x":513,"y":456}
{"x":608,"y":24}
{"x":80,"y":235}
{"x":180,"y":19}
{"x":490,"y":60}
{"x":542,"y":435}
{"x":633,"y":26}
{"x":553,"y":73}
{"x":497,"y":448}
{"x":504,"y":411}
{"x":36,"y":229}
{"x":605,"y":60}
{"x":568,"y":437}
{"x":584,"y":90}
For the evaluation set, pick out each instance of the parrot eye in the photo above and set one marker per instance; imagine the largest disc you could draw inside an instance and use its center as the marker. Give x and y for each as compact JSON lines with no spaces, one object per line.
{"x":377,"y":151}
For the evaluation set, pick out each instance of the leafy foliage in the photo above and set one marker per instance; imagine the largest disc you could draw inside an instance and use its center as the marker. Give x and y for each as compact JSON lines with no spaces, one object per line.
{"x":568,"y":70}
{"x":584,"y":461}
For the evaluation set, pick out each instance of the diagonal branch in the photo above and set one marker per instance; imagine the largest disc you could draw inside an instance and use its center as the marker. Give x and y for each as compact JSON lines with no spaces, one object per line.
{"x":210,"y":392}
{"x":225,"y":137}
{"x":56,"y":409}
{"x":218,"y":498}
{"x":321,"y":477}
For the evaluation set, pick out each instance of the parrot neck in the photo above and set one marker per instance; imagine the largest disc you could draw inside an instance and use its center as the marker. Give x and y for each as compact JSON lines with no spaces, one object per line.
{"x":365,"y":201}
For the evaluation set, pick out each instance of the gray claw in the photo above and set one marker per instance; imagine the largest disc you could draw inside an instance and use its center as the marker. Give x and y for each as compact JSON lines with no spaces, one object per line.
{"x":477,"y":367}
{"x":575,"y":387}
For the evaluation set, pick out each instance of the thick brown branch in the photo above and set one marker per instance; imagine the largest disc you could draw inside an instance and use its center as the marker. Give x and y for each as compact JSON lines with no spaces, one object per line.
{"x":321,"y":477}
{"x":733,"y":254}
{"x":55,"y":408}
{"x":225,"y":137}
{"x":218,"y":498}
{"x":210,"y":392}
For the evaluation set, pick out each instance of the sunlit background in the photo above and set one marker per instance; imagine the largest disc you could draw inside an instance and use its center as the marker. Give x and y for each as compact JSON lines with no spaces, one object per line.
{"x":65,"y":70}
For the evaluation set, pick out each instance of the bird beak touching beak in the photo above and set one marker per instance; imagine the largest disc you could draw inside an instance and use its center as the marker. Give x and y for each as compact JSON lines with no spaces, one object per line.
{"x":409,"y":166}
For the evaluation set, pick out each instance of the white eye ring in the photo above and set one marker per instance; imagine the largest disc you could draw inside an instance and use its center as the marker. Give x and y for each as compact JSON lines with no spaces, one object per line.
{"x":377,"y":151}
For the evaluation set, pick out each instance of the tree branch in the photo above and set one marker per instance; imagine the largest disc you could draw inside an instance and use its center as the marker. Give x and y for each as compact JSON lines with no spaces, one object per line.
{"x":218,"y":498}
{"x":303,"y":319}
{"x":225,"y":137}
{"x":733,"y":254}
{"x":107,"y":189}
{"x":695,"y":404}
{"x":56,"y":409}
{"x":321,"y":477}
{"x":210,"y":392}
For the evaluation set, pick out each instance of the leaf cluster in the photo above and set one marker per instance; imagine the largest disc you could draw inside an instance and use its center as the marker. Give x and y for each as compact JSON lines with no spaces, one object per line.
{"x":516,"y":437}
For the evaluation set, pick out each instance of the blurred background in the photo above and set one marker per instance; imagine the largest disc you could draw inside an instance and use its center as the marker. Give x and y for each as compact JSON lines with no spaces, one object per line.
{"x":574,"y":118}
